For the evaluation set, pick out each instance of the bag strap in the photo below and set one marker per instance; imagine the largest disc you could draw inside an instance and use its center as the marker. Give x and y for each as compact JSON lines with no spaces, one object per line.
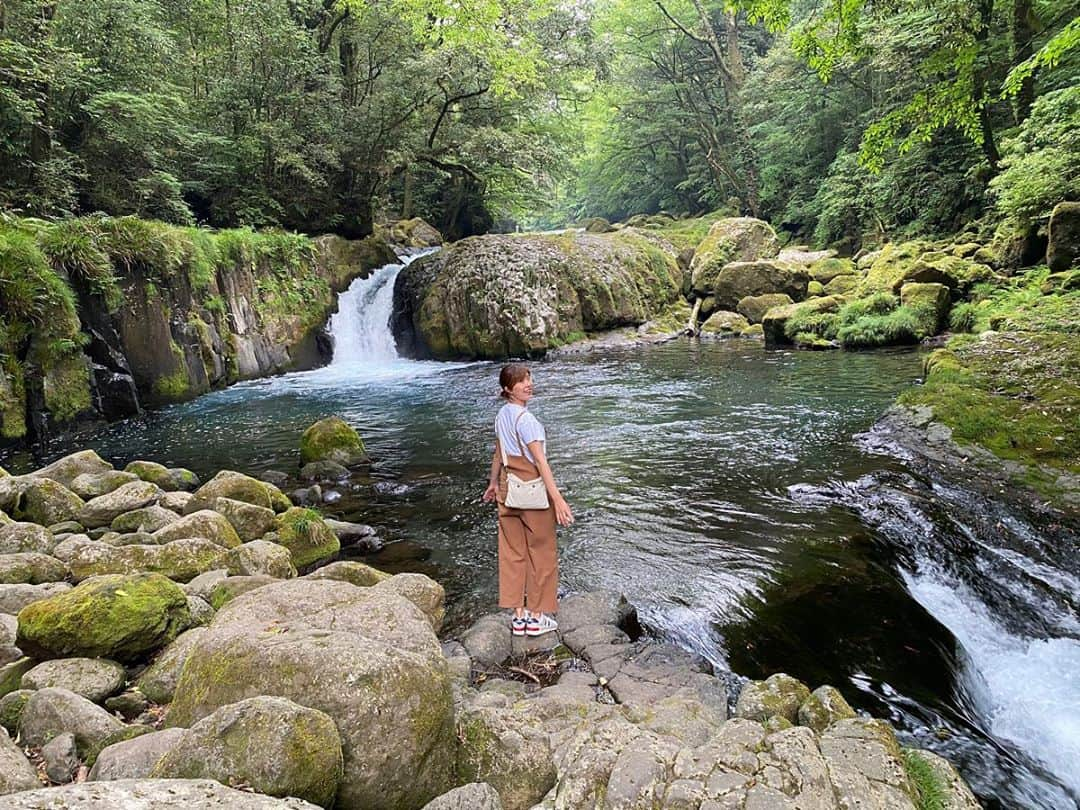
{"x":521,"y":447}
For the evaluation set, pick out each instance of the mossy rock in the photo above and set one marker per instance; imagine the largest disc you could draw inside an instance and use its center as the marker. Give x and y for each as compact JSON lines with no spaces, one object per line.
{"x":815,"y":289}
{"x":30,"y":568}
{"x":824,"y":706}
{"x":733,"y":239}
{"x":306,"y":535}
{"x":91,"y":485}
{"x":825,"y":270}
{"x":11,"y":674}
{"x":11,"y":707}
{"x":104,"y":509}
{"x":841,"y":285}
{"x":205,"y":523}
{"x":181,"y":560}
{"x":118,"y":617}
{"x":724,"y":324}
{"x":597,"y":225}
{"x":332,"y":439}
{"x":754,"y":307}
{"x":169,"y":479}
{"x":16,"y":538}
{"x":1063,"y":243}
{"x":93,"y":751}
{"x":363,"y":576}
{"x":148,"y":519}
{"x":46,"y":502}
{"x":780,"y":695}
{"x":775,"y":322}
{"x":65,"y":470}
{"x":738,"y":280}
{"x":930,"y":302}
{"x":232,"y":587}
{"x":239,"y":487}
{"x":250,"y":521}
{"x":415,"y":233}
{"x":890,"y":267}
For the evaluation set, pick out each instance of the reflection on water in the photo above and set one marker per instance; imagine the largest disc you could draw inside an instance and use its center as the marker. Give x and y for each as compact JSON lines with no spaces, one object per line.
{"x":687,"y":465}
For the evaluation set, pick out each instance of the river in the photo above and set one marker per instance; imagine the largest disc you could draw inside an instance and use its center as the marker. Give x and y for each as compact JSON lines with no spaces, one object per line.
{"x":740,"y":498}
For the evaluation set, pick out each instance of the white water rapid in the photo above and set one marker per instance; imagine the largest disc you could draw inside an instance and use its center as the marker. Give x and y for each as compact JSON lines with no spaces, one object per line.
{"x":361,"y":326}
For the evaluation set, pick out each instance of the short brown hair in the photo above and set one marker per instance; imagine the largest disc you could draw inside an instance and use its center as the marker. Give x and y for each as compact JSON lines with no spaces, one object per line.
{"x":510,"y":376}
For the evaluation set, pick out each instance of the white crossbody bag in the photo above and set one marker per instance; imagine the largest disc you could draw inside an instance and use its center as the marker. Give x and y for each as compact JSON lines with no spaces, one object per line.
{"x":522,"y":494}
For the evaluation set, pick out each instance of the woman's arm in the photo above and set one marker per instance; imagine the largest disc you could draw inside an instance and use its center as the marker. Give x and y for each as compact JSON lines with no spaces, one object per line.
{"x":493,"y":477}
{"x":562,"y":508}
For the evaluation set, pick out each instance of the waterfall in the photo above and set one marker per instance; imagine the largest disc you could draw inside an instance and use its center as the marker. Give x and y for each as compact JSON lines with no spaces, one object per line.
{"x":361,"y":326}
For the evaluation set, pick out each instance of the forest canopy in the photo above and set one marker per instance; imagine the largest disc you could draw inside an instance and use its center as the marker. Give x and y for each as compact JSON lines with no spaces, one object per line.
{"x":840,"y":121}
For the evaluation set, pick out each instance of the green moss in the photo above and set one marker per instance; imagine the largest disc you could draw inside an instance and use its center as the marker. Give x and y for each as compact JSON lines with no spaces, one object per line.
{"x":76,"y":247}
{"x":306,"y":535}
{"x":688,"y":233}
{"x":931,"y":792}
{"x":331,"y":439}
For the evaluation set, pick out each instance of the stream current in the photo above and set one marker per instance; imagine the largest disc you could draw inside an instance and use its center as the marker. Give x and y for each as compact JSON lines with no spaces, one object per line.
{"x":741,"y":499}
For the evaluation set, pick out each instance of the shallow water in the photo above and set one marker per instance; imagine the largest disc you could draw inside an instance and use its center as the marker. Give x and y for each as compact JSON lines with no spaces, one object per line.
{"x":724,"y":490}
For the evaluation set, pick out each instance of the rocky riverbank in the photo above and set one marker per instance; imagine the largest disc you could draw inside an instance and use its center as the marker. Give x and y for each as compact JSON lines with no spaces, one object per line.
{"x":158,"y":648}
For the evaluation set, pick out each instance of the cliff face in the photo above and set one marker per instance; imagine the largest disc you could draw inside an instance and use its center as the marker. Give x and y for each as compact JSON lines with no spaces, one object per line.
{"x":104,"y":317}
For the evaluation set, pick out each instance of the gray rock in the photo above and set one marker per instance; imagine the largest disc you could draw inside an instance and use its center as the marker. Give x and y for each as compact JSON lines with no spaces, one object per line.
{"x":473,"y":796}
{"x":349,"y":533}
{"x":158,"y":681}
{"x":180,"y":560}
{"x":250,"y":521}
{"x":9,"y":653}
{"x":70,"y":467}
{"x":358,"y":574}
{"x":148,"y":519}
{"x":93,"y":485}
{"x":93,"y":678}
{"x":60,"y":758}
{"x":261,"y":558}
{"x":203,"y":585}
{"x":204,"y":523}
{"x":324,"y":471}
{"x":26,"y":537}
{"x":779,"y":695}
{"x":46,"y":502}
{"x":169,"y":479}
{"x":275,"y":477}
{"x":488,"y":641}
{"x":824,"y":706}
{"x":232,"y":587}
{"x":597,"y":607}
{"x":135,"y":758}
{"x":129,"y":704}
{"x":422,"y":591}
{"x":8,"y":626}
{"x":103,"y":510}
{"x":67,"y":548}
{"x":16,"y":772}
{"x":865,"y":765}
{"x":66,"y":527}
{"x":11,"y":708}
{"x":149,"y":794}
{"x":54,"y":711}
{"x":176,"y":501}
{"x":370,"y":651}
{"x":29,"y":568}
{"x":639,"y":776}
{"x":201,"y":612}
{"x":959,"y":795}
{"x":269,"y":743}
{"x":14,"y":598}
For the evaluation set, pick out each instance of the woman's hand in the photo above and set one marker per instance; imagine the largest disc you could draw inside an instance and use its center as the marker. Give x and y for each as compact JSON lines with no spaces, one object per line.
{"x":489,"y":493}
{"x":562,"y":512}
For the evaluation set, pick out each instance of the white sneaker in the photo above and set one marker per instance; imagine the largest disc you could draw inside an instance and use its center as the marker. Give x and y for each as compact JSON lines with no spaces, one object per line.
{"x":538,"y":625}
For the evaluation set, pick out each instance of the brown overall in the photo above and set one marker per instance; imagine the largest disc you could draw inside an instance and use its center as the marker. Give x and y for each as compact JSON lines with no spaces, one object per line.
{"x":528,"y":555}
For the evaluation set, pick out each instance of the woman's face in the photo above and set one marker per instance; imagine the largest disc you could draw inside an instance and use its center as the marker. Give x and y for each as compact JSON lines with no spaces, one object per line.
{"x":522,"y":391}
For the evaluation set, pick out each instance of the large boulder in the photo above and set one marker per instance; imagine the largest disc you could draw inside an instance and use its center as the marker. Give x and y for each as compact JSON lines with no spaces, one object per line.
{"x":734,"y":239}
{"x":70,"y":467}
{"x":261,"y":558}
{"x":774,"y":323}
{"x":16,"y":772}
{"x":357,"y":573}
{"x":737,"y":280}
{"x":1063,"y":244}
{"x":47,"y":502}
{"x":930,"y":302}
{"x":415,"y":233}
{"x":754,"y":307}
{"x":117,"y":617}
{"x":826,"y":269}
{"x":505,"y":295}
{"x":104,"y":509}
{"x":148,"y":519}
{"x":332,"y":439}
{"x":898,"y":264}
{"x":169,"y":479}
{"x":93,"y":678}
{"x":181,"y":560}
{"x":92,"y":485}
{"x":239,"y":487}
{"x":724,"y":324}
{"x":271,"y":744}
{"x":158,"y":681}
{"x":16,"y":538}
{"x":54,"y":711}
{"x":367,"y":657}
{"x":29,"y":568}
{"x":307,"y":537}
{"x":204,"y":523}
{"x":135,"y":758}
{"x":250,"y":521}
{"x":149,"y":794}
{"x":866,"y":765}
{"x":14,"y":598}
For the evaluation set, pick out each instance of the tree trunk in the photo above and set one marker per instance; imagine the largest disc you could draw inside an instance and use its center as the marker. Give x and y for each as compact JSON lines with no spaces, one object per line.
{"x":1022,"y":33}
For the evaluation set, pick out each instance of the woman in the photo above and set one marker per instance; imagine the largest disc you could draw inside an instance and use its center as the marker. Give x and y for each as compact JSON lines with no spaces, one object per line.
{"x":528,"y":555}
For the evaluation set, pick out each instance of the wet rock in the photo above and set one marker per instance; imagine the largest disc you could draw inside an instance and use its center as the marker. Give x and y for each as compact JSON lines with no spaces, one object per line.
{"x":60,"y":758}
{"x":11,"y":708}
{"x":779,"y":695}
{"x":14,"y":598}
{"x":260,"y":558}
{"x":70,"y":467}
{"x":331,"y":496}
{"x":181,"y":560}
{"x":754,"y":307}
{"x":415,"y":233}
{"x":204,"y":523}
{"x":135,"y":758}
{"x":53,"y":711}
{"x":324,"y":471}
{"x":349,"y":533}
{"x":28,"y":568}
{"x":724,"y":324}
{"x":306,"y":535}
{"x":273,"y":745}
{"x":275,"y":477}
{"x":358,"y":574}
{"x":149,"y":794}
{"x":824,"y":706}
{"x":117,"y":617}
{"x":103,"y":510}
{"x":45,"y":502}
{"x":598,"y":607}
{"x":93,"y":678}
{"x":158,"y":681}
{"x":474,"y":796}
{"x":148,"y":519}
{"x":370,"y":650}
{"x":170,"y":480}
{"x":16,"y":772}
{"x":307,"y":496}
{"x":91,"y":485}
{"x":250,"y":522}
{"x":16,"y":538}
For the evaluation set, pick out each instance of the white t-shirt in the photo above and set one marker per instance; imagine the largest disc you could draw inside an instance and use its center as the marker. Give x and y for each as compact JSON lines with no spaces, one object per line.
{"x":529,"y":429}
